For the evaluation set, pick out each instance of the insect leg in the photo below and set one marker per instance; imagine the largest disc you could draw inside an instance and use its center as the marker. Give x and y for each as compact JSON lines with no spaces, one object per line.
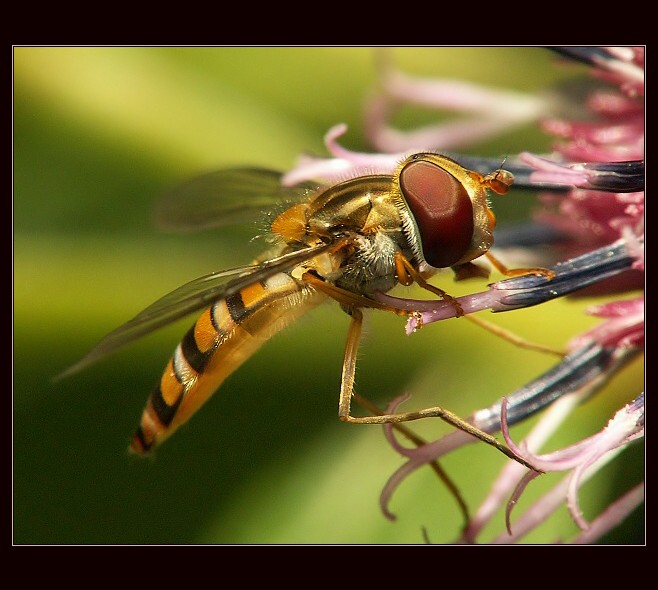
{"x":406,"y":271}
{"x":347,"y":298}
{"x":517,"y":272}
{"x":347,"y":390}
{"x":514,"y":338}
{"x":401,"y":261}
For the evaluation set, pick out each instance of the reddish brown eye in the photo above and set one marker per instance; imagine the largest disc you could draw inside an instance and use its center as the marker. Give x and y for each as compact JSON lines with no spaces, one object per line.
{"x":442,"y":209}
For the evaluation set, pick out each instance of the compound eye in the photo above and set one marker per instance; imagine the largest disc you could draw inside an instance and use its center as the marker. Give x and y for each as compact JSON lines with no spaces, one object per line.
{"x":442,"y":209}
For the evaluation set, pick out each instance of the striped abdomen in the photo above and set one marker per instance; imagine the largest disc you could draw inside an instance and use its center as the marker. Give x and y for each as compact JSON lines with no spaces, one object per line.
{"x":225,"y":335}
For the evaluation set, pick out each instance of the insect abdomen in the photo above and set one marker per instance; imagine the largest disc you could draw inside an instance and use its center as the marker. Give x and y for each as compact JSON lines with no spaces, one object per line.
{"x":226,"y":334}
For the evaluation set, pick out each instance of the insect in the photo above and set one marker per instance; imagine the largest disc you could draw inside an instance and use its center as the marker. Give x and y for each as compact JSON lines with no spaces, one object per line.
{"x":345,"y":242}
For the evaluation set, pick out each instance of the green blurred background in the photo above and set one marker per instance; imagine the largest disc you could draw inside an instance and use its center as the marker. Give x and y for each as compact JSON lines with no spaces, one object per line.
{"x":99,"y":133}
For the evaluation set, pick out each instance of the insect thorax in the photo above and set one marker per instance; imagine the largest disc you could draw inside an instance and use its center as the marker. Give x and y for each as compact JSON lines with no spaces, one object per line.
{"x":362,"y":208}
{"x":371,"y":266}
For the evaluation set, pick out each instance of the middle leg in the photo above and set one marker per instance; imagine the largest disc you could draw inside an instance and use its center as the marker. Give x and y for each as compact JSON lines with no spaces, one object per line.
{"x":347,"y":390}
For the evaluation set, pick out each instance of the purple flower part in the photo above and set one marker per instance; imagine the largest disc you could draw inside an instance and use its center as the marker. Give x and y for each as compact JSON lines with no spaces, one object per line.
{"x":579,"y":376}
{"x":598,"y":153}
{"x":434,"y":310}
{"x":624,"y":327}
{"x":389,"y":430}
{"x":601,"y":133}
{"x":535,"y":515}
{"x":494,"y":111}
{"x":614,"y":106}
{"x":446,"y":136}
{"x":633,"y":55}
{"x":609,"y":139}
{"x":623,"y":66}
{"x":616,"y":309}
{"x":604,"y":445}
{"x":627,"y":74}
{"x":520,"y":488}
{"x":612,"y":137}
{"x":507,"y":483}
{"x":344,"y":164}
{"x":591,"y":219}
{"x":627,"y":425}
{"x":612,"y":516}
{"x":460,"y":96}
{"x":500,"y":491}
{"x":529,"y":399}
{"x":553,"y":172}
{"x":621,"y":177}
{"x":418,"y":456}
{"x":524,"y":291}
{"x":618,"y":132}
{"x":633,"y":199}
{"x":624,"y":427}
{"x":635,"y":246}
{"x":384,"y":163}
{"x":309,"y":168}
{"x":538,"y":512}
{"x":391,"y":485}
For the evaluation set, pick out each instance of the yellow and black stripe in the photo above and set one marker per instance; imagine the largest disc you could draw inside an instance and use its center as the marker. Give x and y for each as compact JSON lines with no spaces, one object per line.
{"x":226,"y":334}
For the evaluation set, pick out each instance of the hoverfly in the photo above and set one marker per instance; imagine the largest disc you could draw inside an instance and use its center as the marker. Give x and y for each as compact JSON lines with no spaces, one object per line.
{"x":345,"y":242}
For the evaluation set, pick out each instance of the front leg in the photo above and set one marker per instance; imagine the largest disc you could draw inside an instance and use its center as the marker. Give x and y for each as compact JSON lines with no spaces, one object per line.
{"x":407,"y":275}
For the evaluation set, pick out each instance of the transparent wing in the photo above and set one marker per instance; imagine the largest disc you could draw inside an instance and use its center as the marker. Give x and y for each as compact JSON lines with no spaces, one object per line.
{"x":225,"y":197}
{"x":192,"y":296}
